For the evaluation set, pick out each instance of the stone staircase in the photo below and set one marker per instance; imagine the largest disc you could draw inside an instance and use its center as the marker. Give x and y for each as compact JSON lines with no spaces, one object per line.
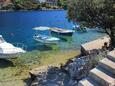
{"x":103,"y":74}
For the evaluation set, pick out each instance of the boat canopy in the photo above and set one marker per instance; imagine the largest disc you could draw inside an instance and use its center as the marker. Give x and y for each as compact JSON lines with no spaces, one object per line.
{"x":42,"y":28}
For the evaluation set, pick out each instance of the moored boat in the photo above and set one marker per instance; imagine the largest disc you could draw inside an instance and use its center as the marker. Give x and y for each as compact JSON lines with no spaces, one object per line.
{"x":62,"y":31}
{"x":8,"y":50}
{"x":45,"y":39}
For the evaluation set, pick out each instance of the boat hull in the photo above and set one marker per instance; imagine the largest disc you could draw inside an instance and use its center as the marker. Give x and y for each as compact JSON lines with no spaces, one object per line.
{"x":66,"y":34}
{"x":44,"y":41}
{"x":64,"y":38}
{"x":9,"y":56}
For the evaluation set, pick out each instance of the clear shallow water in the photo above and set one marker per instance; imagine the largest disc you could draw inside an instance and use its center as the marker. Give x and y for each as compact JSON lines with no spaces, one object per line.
{"x":17,"y":27}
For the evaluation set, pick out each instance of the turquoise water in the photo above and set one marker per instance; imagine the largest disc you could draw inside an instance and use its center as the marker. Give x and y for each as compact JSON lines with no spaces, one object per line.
{"x":17,"y":27}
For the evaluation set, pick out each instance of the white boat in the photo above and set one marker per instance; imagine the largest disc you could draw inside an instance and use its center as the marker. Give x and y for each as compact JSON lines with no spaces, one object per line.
{"x":62,"y":31}
{"x":45,"y":39}
{"x":7,"y":50}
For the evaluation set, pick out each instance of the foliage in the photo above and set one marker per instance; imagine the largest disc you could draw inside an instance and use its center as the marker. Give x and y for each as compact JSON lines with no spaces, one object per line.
{"x":62,"y":3}
{"x":94,"y":13}
{"x":25,"y":4}
{"x":33,"y":5}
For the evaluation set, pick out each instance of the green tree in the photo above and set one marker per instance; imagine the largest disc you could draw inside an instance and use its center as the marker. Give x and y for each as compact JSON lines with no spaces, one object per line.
{"x":62,"y":3}
{"x":25,"y":4}
{"x":16,"y":7}
{"x":94,"y":13}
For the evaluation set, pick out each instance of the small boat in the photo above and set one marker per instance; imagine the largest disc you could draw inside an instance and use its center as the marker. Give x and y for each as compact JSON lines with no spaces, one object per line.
{"x":45,"y":39}
{"x":8,"y":50}
{"x":62,"y":31}
{"x":79,"y":28}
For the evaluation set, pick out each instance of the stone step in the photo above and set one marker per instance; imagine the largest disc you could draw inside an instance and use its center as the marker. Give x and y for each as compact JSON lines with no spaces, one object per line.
{"x":87,"y":82}
{"x":101,"y":77}
{"x":111,"y":55}
{"x":108,"y":64}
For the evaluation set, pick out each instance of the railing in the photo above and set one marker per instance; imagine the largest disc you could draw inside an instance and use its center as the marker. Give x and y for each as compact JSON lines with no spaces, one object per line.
{"x":20,"y":45}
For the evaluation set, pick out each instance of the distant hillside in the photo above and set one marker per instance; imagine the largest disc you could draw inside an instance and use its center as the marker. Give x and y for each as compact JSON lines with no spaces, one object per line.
{"x":32,"y":4}
{"x":19,"y":5}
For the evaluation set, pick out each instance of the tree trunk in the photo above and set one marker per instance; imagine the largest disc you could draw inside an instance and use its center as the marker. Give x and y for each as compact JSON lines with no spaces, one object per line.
{"x":112,"y":37}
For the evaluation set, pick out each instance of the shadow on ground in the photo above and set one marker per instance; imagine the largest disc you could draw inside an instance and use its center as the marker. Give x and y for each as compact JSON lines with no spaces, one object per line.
{"x":5,"y":63}
{"x":53,"y":77}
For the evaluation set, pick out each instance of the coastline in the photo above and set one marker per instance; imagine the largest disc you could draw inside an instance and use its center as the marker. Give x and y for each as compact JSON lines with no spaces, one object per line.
{"x":31,"y":10}
{"x":17,"y":70}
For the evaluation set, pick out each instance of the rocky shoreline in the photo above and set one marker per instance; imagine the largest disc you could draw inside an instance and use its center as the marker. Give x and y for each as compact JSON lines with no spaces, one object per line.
{"x":31,"y":10}
{"x":68,"y":74}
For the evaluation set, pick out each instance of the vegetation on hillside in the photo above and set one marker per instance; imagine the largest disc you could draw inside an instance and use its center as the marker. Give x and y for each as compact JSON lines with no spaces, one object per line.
{"x":25,"y":4}
{"x":94,"y":13}
{"x":62,"y":4}
{"x":32,"y":5}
